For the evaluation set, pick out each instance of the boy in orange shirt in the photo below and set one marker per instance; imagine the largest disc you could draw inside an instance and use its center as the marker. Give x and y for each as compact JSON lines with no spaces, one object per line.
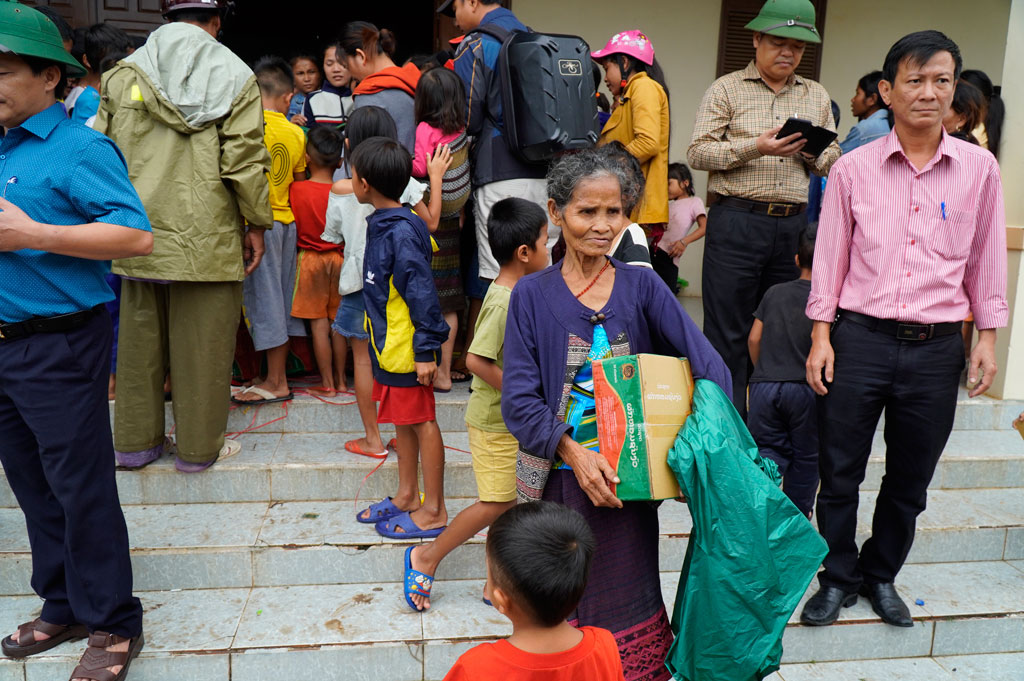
{"x":538,"y":557}
{"x":318,"y":271}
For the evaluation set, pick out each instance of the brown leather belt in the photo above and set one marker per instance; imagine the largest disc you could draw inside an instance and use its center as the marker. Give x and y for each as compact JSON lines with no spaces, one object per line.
{"x":771,"y":209}
{"x":58,"y":324}
{"x":902,"y":330}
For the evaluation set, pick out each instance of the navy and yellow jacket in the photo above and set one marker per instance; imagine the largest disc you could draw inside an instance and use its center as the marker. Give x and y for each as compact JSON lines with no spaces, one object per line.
{"x":403,"y":313}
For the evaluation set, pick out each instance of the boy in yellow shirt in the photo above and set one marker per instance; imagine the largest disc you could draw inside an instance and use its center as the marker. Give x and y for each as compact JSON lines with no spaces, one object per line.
{"x":267,"y":292}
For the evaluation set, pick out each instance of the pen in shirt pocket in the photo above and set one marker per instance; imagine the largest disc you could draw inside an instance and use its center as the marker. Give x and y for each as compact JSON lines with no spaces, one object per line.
{"x":943,"y":210}
{"x":13,"y":180}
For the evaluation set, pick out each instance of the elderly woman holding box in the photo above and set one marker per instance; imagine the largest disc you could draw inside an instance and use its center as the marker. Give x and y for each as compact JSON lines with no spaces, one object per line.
{"x":589,"y":307}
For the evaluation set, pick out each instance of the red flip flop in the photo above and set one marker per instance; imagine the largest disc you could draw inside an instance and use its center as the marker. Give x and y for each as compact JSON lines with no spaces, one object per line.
{"x":353,"y":446}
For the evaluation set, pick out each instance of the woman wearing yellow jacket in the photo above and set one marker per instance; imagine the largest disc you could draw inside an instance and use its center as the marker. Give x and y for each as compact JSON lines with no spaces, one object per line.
{"x":640,"y":121}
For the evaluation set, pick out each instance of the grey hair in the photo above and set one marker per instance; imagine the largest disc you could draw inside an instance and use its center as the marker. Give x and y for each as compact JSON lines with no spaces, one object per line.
{"x":567,"y":173}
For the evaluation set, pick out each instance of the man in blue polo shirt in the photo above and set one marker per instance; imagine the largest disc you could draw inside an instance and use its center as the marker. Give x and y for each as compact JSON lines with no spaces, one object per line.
{"x":66,"y":208}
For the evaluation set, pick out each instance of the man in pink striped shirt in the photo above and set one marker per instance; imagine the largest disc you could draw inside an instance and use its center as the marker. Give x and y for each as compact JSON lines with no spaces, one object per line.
{"x":911,"y":238}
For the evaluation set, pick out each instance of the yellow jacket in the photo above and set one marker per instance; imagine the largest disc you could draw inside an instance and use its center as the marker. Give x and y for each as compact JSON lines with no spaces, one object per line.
{"x":641,"y":123}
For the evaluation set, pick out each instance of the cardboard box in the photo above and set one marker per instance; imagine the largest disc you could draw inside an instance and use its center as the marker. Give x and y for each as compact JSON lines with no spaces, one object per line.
{"x":642,"y":401}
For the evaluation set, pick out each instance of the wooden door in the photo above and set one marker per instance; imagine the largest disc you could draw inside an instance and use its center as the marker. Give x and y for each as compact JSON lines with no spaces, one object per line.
{"x":134,"y":16}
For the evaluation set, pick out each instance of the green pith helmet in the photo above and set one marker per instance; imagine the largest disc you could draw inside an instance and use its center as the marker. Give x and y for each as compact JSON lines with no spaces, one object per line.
{"x":787,"y":19}
{"x":28,"y":33}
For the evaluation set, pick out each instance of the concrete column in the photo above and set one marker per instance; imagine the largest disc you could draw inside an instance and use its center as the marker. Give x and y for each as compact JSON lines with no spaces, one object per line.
{"x":1009,"y":382}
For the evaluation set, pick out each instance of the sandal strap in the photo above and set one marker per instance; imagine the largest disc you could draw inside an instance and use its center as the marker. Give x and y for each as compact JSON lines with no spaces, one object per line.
{"x":27,"y":631}
{"x":96,"y":660}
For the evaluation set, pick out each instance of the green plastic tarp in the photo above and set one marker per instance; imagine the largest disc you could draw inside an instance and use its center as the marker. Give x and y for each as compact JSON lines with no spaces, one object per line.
{"x":751,"y":553}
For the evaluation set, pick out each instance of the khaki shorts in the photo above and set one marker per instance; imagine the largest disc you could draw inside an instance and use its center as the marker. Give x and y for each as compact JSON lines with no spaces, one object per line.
{"x":494,"y":464}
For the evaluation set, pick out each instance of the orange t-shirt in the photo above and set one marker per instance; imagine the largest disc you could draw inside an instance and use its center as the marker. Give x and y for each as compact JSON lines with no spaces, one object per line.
{"x":595,"y":658}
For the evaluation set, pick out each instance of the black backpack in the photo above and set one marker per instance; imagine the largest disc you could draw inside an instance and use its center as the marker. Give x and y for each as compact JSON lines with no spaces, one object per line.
{"x":548,"y":98}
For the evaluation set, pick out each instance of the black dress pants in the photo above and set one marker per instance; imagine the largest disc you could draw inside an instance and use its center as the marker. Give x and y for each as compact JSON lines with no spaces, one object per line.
{"x":915,"y":384}
{"x":57,"y":452}
{"x":744,"y":255}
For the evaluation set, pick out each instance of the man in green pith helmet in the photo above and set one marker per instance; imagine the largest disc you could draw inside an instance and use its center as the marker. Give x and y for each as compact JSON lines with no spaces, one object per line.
{"x":66,"y":208}
{"x":758,"y":183}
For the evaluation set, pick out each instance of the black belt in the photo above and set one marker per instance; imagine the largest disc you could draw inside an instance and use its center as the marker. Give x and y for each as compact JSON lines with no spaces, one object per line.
{"x":773,"y":209}
{"x":59,"y":324}
{"x":902,"y":330}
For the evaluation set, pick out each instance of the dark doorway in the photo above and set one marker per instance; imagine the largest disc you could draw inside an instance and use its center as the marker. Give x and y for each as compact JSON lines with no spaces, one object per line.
{"x":261,"y":27}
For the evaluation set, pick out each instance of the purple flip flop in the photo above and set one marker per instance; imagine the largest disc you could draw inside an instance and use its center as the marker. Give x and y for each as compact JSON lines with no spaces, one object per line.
{"x":409,"y":529}
{"x":383,"y":510}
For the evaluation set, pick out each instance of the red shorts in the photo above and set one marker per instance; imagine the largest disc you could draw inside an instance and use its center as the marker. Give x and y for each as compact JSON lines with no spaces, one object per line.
{"x":404,"y":406}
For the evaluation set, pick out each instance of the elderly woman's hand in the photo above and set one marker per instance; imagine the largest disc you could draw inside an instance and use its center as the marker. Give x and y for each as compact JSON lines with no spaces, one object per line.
{"x":592,"y":470}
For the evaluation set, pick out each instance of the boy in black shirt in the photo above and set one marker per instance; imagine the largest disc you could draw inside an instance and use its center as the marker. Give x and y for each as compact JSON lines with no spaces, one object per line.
{"x":783,"y":415}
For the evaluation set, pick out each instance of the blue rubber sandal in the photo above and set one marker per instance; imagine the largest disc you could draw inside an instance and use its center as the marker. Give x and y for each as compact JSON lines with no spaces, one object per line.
{"x":381,"y":511}
{"x":416,"y":582}
{"x":403,"y":527}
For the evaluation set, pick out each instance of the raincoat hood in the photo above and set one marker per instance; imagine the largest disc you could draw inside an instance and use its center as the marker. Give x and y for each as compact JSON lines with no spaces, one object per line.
{"x":403,"y":78}
{"x":195,"y":78}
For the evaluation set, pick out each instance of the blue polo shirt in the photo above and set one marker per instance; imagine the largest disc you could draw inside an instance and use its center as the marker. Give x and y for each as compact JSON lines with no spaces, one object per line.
{"x":61,"y":173}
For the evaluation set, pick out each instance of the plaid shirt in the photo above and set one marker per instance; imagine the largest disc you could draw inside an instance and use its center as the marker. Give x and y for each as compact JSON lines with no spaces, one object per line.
{"x":736,"y":109}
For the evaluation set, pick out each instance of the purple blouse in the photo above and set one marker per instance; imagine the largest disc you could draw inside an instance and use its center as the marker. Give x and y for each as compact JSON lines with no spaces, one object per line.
{"x":543,"y":313}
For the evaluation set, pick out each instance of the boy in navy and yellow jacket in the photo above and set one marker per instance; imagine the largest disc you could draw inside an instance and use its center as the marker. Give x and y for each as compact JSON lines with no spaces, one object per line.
{"x":406,"y":327}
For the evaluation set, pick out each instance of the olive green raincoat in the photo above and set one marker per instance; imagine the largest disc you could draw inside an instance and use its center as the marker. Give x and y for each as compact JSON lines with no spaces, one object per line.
{"x":187,"y":115}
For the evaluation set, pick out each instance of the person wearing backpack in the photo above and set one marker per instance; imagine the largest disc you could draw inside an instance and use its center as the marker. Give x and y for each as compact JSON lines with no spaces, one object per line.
{"x":640,"y":122}
{"x":497,"y":172}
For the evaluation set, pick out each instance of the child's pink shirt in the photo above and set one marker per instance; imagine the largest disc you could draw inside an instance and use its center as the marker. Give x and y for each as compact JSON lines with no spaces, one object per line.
{"x":681,"y":215}
{"x":427,"y":139}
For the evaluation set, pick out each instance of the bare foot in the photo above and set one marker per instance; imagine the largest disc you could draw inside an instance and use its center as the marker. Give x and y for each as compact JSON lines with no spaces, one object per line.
{"x":323,"y":392}
{"x":277,"y":390}
{"x":425,"y":519}
{"x":368,"y":445}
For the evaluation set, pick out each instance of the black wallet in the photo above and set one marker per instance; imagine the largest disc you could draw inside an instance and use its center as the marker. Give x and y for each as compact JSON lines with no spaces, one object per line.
{"x":818,"y":138}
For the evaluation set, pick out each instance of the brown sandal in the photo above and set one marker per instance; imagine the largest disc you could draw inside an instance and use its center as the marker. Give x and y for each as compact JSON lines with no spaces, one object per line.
{"x":28,"y":645}
{"x":97,"y":658}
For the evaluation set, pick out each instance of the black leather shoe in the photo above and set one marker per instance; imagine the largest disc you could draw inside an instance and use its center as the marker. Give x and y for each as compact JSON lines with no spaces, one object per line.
{"x":887,"y":604}
{"x":823,"y":607}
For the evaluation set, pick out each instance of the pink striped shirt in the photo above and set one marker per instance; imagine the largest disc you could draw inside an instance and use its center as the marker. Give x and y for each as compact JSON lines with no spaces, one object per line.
{"x":916,"y":246}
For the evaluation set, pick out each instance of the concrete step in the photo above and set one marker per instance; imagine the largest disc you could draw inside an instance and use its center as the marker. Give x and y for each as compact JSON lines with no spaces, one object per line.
{"x":276,"y":544}
{"x":356,"y":631}
{"x":308,"y":414}
{"x":313,"y":466}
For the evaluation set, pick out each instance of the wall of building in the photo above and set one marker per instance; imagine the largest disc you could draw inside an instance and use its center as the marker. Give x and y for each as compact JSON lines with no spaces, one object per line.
{"x":857,"y":35}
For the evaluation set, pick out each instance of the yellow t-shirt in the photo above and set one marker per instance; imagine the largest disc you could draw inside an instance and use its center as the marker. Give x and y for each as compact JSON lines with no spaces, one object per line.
{"x":287,"y":145}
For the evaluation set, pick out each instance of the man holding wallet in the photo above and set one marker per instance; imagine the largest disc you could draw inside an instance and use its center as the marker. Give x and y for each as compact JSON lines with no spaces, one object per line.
{"x":760,"y":181}
{"x":912,"y":237}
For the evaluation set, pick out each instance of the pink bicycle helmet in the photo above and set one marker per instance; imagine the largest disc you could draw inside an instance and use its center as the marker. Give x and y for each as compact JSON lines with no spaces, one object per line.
{"x":630,"y":43}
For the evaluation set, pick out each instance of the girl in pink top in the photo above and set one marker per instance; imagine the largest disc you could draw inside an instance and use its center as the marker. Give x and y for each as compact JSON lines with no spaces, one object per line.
{"x":440,"y":115}
{"x":684,"y":208}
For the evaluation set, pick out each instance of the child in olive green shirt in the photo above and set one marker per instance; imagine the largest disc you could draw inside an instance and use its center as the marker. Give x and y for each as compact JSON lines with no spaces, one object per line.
{"x":517,"y":231}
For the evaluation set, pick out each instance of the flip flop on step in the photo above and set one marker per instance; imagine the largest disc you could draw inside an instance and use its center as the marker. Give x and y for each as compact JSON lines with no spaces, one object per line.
{"x":353,"y":446}
{"x":266,"y":397}
{"x":382,"y":511}
{"x":404,"y":527}
{"x":416,"y":583}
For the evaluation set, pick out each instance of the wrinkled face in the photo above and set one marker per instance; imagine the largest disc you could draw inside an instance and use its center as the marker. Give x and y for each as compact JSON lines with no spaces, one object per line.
{"x":306,"y":75}
{"x":923,"y":93}
{"x":778,"y":57}
{"x":593,"y":217}
{"x":859,"y":105}
{"x":612,"y":76}
{"x":335,"y":68}
{"x":23,"y":94}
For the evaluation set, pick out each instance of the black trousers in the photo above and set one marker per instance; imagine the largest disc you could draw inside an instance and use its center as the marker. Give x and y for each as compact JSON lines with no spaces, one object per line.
{"x":57,"y":452}
{"x":915,"y":383}
{"x":784,"y":423}
{"x":744,"y":255}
